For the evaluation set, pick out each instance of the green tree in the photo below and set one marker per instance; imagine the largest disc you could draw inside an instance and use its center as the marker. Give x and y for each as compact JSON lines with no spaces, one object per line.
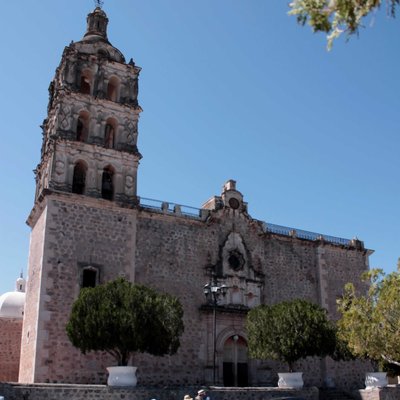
{"x":335,"y":17}
{"x":121,"y":318}
{"x":289,"y":331}
{"x":370,"y":323}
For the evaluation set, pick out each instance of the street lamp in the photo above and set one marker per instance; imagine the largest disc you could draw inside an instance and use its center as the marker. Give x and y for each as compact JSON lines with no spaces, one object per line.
{"x":213,"y":291}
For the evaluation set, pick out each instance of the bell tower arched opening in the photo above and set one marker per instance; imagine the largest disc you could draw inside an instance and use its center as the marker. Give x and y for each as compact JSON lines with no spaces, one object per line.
{"x":85,"y":86}
{"x":107,"y":184}
{"x":113,"y":89}
{"x":82,"y":127}
{"x":79,"y":178}
{"x":109,"y":133}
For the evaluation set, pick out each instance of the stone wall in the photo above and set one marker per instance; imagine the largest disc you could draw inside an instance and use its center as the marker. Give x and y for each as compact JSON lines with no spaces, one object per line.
{"x":32,"y":300}
{"x":174,"y":254}
{"x":342,"y":265}
{"x":386,"y":393}
{"x":95,"y":234}
{"x":349,"y":374}
{"x":10,"y":348}
{"x":87,"y":392}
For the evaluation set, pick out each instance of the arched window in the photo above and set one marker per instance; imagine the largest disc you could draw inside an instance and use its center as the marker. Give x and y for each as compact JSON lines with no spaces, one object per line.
{"x":112,"y":89}
{"x":109,"y":134}
{"x":86,"y":81}
{"x":107,"y":186}
{"x":82,"y":127}
{"x":79,"y":178}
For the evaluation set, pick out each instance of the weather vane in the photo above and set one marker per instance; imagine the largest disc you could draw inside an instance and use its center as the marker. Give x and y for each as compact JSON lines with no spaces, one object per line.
{"x":99,"y":3}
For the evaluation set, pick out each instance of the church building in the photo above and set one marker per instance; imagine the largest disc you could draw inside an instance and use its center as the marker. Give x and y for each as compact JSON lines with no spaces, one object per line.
{"x":90,"y":225}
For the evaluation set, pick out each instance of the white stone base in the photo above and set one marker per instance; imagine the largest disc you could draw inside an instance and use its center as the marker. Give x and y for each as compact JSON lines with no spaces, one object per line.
{"x":122,"y":376}
{"x":290,"y":380}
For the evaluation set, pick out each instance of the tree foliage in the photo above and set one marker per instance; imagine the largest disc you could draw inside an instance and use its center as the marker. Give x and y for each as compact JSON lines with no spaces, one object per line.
{"x":289,"y":331}
{"x":335,"y":17}
{"x":370,"y":323}
{"x":121,"y":318}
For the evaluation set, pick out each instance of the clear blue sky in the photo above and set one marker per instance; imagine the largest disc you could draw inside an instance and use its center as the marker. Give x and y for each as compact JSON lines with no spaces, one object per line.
{"x":231,"y":89}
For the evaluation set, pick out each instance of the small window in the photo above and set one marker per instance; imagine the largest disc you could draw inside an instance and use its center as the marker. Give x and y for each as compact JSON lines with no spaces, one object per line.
{"x":90,"y":276}
{"x":107,"y":187}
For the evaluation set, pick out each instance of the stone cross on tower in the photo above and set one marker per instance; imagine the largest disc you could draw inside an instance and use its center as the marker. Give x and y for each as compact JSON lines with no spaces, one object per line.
{"x":98,"y":3}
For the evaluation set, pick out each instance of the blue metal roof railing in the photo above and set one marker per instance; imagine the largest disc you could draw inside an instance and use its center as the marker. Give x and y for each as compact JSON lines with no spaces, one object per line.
{"x":300,"y":233}
{"x":196,"y":213}
{"x":169,"y":207}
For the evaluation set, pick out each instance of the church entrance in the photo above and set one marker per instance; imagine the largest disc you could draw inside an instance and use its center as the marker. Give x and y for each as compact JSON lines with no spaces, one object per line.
{"x":235,"y":362}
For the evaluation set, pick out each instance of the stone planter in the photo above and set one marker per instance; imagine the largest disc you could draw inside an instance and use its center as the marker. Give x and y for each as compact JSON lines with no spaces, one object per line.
{"x":375,"y":379}
{"x":122,"y":376}
{"x":290,"y":380}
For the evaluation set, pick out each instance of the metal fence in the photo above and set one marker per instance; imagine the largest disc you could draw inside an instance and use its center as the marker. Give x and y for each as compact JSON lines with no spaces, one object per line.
{"x":167,"y":206}
{"x":300,"y":233}
{"x":195,"y":213}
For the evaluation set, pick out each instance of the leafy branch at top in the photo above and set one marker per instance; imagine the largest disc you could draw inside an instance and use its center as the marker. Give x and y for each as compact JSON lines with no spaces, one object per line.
{"x":335,"y":17}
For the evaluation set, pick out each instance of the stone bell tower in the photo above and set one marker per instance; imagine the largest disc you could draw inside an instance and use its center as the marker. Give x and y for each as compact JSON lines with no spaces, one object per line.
{"x":84,"y":216}
{"x":90,"y":134}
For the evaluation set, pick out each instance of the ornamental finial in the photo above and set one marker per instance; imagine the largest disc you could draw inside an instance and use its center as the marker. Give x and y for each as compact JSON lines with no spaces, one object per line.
{"x":99,"y":3}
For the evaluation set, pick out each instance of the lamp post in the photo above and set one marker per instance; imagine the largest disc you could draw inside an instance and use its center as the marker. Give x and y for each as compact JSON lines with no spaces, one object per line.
{"x":213,"y":291}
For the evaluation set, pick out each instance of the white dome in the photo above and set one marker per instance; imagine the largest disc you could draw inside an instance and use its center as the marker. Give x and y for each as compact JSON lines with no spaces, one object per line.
{"x":12,"y":305}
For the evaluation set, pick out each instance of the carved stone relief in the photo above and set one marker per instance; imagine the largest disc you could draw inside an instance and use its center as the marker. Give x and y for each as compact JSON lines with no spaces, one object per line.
{"x":60,"y":168}
{"x":64,"y":117}
{"x":129,"y":185}
{"x":132,"y":131}
{"x":238,"y":274}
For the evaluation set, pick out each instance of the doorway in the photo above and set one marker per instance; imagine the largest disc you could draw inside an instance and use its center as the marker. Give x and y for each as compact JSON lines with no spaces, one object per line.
{"x":235,"y":368}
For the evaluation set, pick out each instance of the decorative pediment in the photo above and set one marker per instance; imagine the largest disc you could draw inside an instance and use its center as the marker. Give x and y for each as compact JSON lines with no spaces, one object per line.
{"x":234,"y":269}
{"x":234,"y":255}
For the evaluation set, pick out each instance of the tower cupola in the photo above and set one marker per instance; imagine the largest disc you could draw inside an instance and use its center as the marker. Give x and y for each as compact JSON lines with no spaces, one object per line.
{"x":20,"y":284}
{"x":97,"y":22}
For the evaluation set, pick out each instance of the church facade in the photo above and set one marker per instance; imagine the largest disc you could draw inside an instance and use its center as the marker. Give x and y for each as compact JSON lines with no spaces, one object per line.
{"x":90,"y":226}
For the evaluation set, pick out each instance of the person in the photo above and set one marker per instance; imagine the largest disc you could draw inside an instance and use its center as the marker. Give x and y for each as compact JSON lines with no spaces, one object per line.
{"x":202,"y":395}
{"x":187,"y":397}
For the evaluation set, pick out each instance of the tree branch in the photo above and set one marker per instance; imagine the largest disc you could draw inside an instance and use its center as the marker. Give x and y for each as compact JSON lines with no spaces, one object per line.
{"x":390,"y":360}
